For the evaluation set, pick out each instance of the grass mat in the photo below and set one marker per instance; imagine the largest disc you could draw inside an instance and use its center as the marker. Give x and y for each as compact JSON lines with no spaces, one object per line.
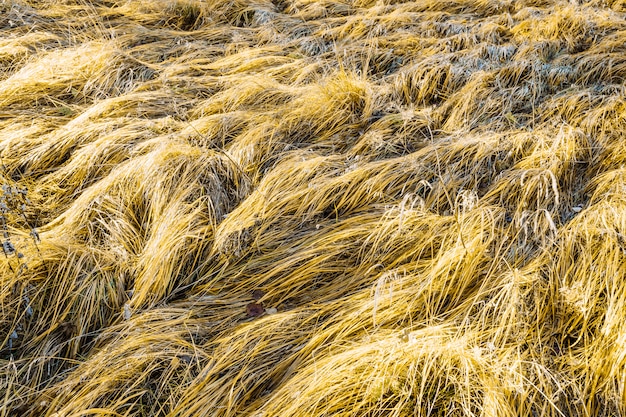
{"x":313,"y":208}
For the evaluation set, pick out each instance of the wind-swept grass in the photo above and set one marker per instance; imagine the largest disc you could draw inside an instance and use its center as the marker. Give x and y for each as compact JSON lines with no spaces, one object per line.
{"x":312,"y":208}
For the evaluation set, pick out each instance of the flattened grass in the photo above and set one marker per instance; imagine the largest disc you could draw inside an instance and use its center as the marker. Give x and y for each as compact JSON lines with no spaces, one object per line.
{"x":312,"y":208}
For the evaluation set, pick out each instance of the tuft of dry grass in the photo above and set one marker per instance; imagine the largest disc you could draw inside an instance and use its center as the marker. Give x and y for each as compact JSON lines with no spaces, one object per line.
{"x":312,"y":208}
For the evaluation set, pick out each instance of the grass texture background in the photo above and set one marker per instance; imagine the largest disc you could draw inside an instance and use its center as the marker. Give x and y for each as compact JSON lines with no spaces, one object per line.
{"x":428,"y":198}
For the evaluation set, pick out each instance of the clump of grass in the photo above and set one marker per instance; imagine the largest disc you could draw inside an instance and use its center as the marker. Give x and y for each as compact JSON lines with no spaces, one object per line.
{"x":310,"y":208}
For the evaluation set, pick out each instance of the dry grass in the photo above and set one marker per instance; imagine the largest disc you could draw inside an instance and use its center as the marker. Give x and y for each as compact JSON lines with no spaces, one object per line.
{"x":426,"y":198}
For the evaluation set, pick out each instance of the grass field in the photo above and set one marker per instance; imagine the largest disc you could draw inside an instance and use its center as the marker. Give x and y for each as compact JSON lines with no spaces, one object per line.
{"x":313,"y":208}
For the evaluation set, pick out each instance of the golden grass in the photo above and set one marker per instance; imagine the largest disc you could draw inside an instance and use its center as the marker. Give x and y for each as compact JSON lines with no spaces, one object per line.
{"x":426,"y":198}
